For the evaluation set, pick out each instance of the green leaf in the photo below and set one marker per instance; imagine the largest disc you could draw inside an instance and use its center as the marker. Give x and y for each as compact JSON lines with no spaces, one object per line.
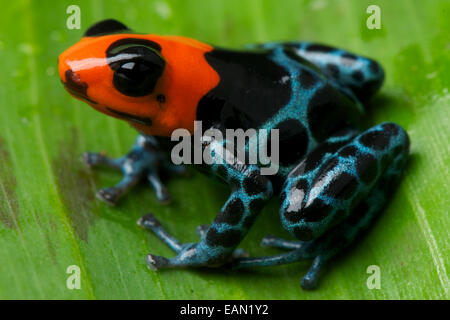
{"x":50,"y":219}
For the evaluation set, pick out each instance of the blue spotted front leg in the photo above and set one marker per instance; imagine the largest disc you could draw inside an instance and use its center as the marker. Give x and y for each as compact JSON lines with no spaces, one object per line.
{"x":145,"y":160}
{"x":327,"y":203}
{"x":250,"y":190}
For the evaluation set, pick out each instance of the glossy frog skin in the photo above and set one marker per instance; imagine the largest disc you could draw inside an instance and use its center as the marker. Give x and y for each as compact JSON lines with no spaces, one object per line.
{"x":333,"y":178}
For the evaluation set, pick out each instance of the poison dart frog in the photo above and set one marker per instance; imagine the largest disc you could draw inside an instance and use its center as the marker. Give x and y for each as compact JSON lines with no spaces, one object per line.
{"x":333,"y":177}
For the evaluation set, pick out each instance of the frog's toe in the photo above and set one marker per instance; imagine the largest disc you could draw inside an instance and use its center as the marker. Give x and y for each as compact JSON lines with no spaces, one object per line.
{"x":201,"y":229}
{"x":164,"y":197}
{"x":268,"y":241}
{"x":91,"y":159}
{"x":309,"y":282}
{"x":240,"y":253}
{"x":155,"y":262}
{"x":275,"y":242}
{"x":108,"y":195}
{"x":148,"y":221}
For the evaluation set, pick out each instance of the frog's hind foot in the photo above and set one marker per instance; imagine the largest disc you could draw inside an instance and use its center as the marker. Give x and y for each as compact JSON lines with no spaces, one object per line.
{"x":189,"y":254}
{"x":239,"y":258}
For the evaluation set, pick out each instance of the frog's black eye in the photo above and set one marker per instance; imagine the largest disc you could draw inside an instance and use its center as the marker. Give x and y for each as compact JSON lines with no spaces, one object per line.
{"x":137,"y":66}
{"x":105,"y":27}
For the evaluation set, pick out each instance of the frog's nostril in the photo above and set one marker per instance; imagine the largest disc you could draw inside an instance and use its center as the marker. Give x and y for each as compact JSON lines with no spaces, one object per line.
{"x":72,"y":76}
{"x":74,"y":84}
{"x":76,"y":87}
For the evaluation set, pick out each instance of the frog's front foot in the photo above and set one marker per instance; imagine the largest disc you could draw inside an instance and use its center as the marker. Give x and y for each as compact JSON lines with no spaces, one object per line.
{"x":188,"y":254}
{"x":144,"y":160}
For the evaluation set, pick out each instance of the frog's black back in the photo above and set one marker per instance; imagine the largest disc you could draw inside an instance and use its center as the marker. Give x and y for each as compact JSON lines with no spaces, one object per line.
{"x":252,"y":89}
{"x":275,"y":89}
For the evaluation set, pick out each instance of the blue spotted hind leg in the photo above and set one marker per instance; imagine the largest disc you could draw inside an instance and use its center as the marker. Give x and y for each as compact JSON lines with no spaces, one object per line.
{"x":327,"y":204}
{"x":144,"y":160}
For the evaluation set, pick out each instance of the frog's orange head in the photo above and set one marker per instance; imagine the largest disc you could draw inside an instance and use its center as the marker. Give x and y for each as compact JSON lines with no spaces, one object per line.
{"x":138,"y":78}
